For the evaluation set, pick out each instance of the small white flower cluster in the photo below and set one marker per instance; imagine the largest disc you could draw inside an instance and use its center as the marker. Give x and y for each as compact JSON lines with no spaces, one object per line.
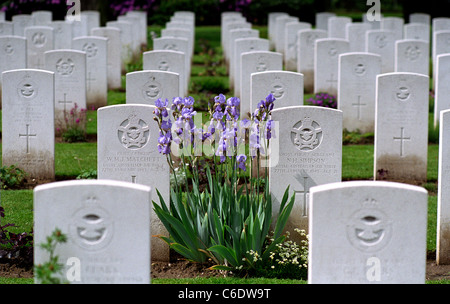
{"x":289,"y":252}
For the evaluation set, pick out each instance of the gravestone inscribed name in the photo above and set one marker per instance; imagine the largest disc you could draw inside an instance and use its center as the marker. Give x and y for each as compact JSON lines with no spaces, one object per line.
{"x":326,"y":62}
{"x":401,"y":127}
{"x":69,"y":67}
{"x":145,"y":87}
{"x":98,"y":217}
{"x":305,"y":55}
{"x":28,"y":134}
{"x":170,"y":61}
{"x":96,"y":49}
{"x":358,"y":233}
{"x":128,"y":151}
{"x":310,"y":154}
{"x":443,"y":209}
{"x":356,"y":91}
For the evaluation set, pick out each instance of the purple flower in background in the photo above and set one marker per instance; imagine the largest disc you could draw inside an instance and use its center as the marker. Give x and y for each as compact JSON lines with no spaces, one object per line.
{"x":161,"y":110}
{"x":241,"y":159}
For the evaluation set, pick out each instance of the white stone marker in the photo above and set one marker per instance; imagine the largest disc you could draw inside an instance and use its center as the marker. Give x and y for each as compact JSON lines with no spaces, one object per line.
{"x":310,"y":154}
{"x":401,"y":127}
{"x":98,"y":217}
{"x":271,"y":27}
{"x":170,"y":61}
{"x":358,"y":233}
{"x":290,"y":47}
{"x":20,"y":22}
{"x":443,"y":209}
{"x":419,"y":31}
{"x":420,"y":18}
{"x":62,"y":34}
{"x":337,"y":26}
{"x":96,"y":49}
{"x":412,"y":56}
{"x":42,"y":17}
{"x":6,"y":28}
{"x":281,"y":33}
{"x":243,"y":45}
{"x":128,"y":151}
{"x":356,"y":35}
{"x":145,"y":87}
{"x":394,"y":24}
{"x":114,"y":54}
{"x":442,"y":89}
{"x":326,"y":62}
{"x":322,"y":20}
{"x":126,"y":35}
{"x":382,"y":42}
{"x":28,"y":134}
{"x":440,"y":46}
{"x":180,"y":33}
{"x":39,"y":40}
{"x":252,"y":62}
{"x":89,"y":20}
{"x":285,"y":86}
{"x":142,"y":15}
{"x":13,"y":54}
{"x":305,"y":55}
{"x":356,"y":91}
{"x":69,"y":67}
{"x":440,"y":24}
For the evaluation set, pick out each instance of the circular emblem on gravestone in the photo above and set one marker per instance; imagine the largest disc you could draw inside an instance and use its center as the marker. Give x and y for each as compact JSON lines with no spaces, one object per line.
{"x":9,"y":49}
{"x":402,"y":93}
{"x":261,"y":66}
{"x":27,"y":89}
{"x":310,"y":39}
{"x":163,"y":65}
{"x":360,"y":69}
{"x":277,"y":89}
{"x":369,"y":229}
{"x":152,"y":90}
{"x":38,"y":39}
{"x":332,"y":52}
{"x":412,"y":52}
{"x":381,"y":41}
{"x":91,"y":228}
{"x":306,"y":134}
{"x":65,"y":66}
{"x":90,"y":48}
{"x":170,"y":46}
{"x":133,"y":132}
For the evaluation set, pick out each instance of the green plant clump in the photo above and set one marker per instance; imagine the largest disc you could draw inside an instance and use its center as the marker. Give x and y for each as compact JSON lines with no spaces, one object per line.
{"x":12,"y":177}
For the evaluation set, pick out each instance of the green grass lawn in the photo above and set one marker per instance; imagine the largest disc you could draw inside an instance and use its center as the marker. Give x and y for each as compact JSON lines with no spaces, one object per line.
{"x":73,"y":159}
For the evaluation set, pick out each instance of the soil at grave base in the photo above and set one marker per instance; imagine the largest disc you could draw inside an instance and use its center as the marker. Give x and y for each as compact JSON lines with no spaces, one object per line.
{"x":179,"y":268}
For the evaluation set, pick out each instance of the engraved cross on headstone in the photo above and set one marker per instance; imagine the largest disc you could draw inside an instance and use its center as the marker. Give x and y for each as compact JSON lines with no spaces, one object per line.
{"x":28,"y":135}
{"x":65,"y":101}
{"x":402,"y":140}
{"x":359,"y":105}
{"x":332,"y":80}
{"x":304,"y":195}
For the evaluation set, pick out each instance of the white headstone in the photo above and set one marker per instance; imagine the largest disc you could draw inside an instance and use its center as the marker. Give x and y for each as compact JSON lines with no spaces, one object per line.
{"x":356,"y":91}
{"x":89,"y":20}
{"x":271,"y":27}
{"x":281,"y":33}
{"x":114,"y":54}
{"x":39,"y":40}
{"x":145,"y":87}
{"x":6,"y":28}
{"x":441,"y":45}
{"x":62,"y":34}
{"x":69,"y":67}
{"x":96,"y":49}
{"x":356,"y":35}
{"x":420,"y":18}
{"x":98,"y":217}
{"x":441,"y":24}
{"x":401,"y":127}
{"x":359,"y":231}
{"x":337,"y":27}
{"x":20,"y":22}
{"x":419,"y":31}
{"x":326,"y":64}
{"x":322,"y":20}
{"x":252,"y":62}
{"x":127,"y":151}
{"x":310,"y":154}
{"x":305,"y":55}
{"x":135,"y":33}
{"x":13,"y":53}
{"x":290,"y":56}
{"x":42,"y":17}
{"x":412,"y":56}
{"x":171,"y":61}
{"x":243,"y":45}
{"x":442,"y":89}
{"x":28,"y":134}
{"x":180,"y":33}
{"x":285,"y":86}
{"x":142,"y":15}
{"x":394,"y":24}
{"x":443,"y":209}
{"x":382,"y":42}
{"x":126,"y":30}
{"x":228,"y":28}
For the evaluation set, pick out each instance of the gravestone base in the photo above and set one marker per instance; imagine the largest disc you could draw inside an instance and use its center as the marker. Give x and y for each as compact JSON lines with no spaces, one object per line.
{"x":390,"y":168}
